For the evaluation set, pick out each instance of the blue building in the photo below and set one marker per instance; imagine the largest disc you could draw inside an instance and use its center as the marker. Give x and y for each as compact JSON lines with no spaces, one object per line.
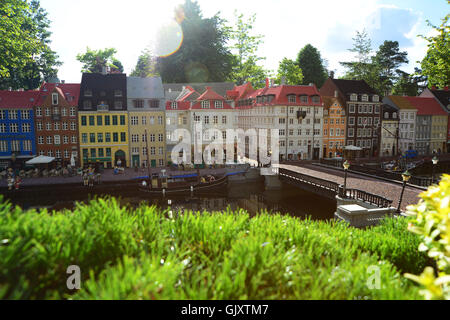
{"x":17,"y":132}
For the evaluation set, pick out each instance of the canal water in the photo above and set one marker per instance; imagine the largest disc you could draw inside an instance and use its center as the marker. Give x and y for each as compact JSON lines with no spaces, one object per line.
{"x":250,"y":196}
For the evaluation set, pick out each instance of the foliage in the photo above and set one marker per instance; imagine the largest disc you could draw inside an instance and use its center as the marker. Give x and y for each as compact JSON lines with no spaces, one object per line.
{"x":289,"y":73}
{"x":406,"y":85}
{"x":312,"y":66}
{"x":145,"y":66}
{"x":361,"y":68}
{"x":436,"y":64}
{"x":203,"y":56}
{"x":26,"y":58}
{"x":432,"y":223}
{"x":94,"y":60}
{"x":147,"y":253}
{"x":244,"y":45}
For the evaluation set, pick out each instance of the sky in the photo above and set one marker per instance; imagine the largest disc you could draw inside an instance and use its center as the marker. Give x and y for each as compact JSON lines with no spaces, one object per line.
{"x":287,"y":25}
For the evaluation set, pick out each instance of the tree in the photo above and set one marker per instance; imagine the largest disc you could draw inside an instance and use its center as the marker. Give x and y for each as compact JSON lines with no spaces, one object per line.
{"x":387,"y":61}
{"x":311,"y":64}
{"x":244,"y":45}
{"x":406,"y":85}
{"x":26,"y":58}
{"x":361,"y":68}
{"x":289,"y":73}
{"x":203,"y":56}
{"x":145,"y":66}
{"x":94,"y":60}
{"x":436,"y":64}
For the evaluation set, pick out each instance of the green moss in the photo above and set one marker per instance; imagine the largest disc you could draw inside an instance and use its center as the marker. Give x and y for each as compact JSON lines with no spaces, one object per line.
{"x":148,"y":253}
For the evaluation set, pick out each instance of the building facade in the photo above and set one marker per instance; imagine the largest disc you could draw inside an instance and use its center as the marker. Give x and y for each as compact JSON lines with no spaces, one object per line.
{"x":334,"y":125}
{"x":363,"y":112}
{"x":56,"y":118}
{"x":146,"y":114}
{"x":389,"y":131}
{"x":103,"y":120}
{"x":17,"y":132}
{"x":408,"y":117}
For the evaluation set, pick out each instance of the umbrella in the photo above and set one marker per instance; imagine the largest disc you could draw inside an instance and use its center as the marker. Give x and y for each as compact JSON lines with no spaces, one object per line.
{"x":353,"y":148}
{"x":40,"y":160}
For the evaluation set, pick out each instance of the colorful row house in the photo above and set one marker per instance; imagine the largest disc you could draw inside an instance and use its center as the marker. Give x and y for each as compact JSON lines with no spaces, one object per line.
{"x":56,"y":118}
{"x":103,"y":119}
{"x":146,"y":117}
{"x":389,"y":131}
{"x":17,"y":132}
{"x":334,"y":125}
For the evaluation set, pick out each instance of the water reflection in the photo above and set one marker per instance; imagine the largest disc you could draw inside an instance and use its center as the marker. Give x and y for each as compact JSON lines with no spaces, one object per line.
{"x":251,"y":197}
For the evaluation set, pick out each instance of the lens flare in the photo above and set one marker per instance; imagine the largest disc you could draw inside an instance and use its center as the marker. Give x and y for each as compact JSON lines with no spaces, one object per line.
{"x":169,"y":39}
{"x":196,"y":72}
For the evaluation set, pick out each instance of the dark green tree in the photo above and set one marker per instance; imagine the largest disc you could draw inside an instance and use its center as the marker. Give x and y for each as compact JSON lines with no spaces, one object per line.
{"x":311,"y":64}
{"x":203,"y":56}
{"x":387,"y":61}
{"x":94,"y":60}
{"x":405,"y":85}
{"x":26,"y":58}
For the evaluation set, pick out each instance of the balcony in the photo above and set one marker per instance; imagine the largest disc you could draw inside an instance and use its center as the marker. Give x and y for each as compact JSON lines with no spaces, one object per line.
{"x":56,"y":117}
{"x":102,"y":108}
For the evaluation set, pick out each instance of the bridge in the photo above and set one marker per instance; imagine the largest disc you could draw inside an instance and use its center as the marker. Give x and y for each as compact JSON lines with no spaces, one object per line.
{"x":329,"y":182}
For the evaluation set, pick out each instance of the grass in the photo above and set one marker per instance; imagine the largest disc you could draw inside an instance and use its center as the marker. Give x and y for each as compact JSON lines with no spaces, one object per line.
{"x":148,"y":253}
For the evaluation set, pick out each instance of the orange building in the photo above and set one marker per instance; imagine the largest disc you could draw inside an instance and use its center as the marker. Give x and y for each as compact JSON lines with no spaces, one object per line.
{"x":334,"y":124}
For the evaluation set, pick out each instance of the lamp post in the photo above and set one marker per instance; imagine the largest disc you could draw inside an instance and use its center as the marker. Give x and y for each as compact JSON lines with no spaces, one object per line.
{"x":346,"y":165}
{"x":435,"y":161}
{"x":405,"y":177}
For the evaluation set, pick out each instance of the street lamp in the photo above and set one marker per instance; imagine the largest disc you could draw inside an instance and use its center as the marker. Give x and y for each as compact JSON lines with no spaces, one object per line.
{"x":346,"y":165}
{"x":405,"y":177}
{"x":435,"y":161}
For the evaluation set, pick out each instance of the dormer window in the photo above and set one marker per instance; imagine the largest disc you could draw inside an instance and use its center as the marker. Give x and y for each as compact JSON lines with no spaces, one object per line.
{"x":375,"y":98}
{"x":386,"y":115}
{"x":174,"y":105}
{"x":138,"y":103}
{"x":117,"y":93}
{"x":54,"y":99}
{"x":205,"y":104}
{"x":353,"y":97}
{"x":87,"y":104}
{"x":304,"y":99}
{"x":88,"y":93}
{"x":365,"y":98}
{"x":218,"y":104}
{"x":394,"y":115}
{"x":292,"y":98}
{"x":315,"y":99}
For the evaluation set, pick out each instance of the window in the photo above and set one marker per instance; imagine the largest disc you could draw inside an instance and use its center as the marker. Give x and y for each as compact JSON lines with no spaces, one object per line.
{"x":304,"y":99}
{"x":123,"y":137}
{"x":117,"y":93}
{"x":122,"y":120}
{"x":84,"y":138}
{"x":152,"y":137}
{"x":87,"y":104}
{"x":107,"y":120}
{"x":3,"y":146}
{"x":56,"y":126}
{"x":351,"y":121}
{"x":205,"y":104}
{"x":152,"y":151}
{"x":13,"y":114}
{"x":87,"y":92}
{"x":38,"y":112}
{"x":100,"y":137}
{"x":47,"y":112}
{"x":114,"y":120}
{"x":13,"y":128}
{"x":292,"y":98}
{"x":160,"y":137}
{"x":107,"y":137}
{"x":218,"y":104}
{"x":91,"y":120}
{"x":353,"y":97}
{"x":134,"y":120}
{"x":144,"y":138}
{"x":365,"y":97}
{"x":138,"y":103}
{"x":144,"y":120}
{"x":64,"y":112}
{"x":40,"y":140}
{"x":174,"y":105}
{"x":49,"y":140}
{"x":66,"y":154}
{"x":377,"y":109}
{"x":25,"y":114}
{"x":115,"y":137}
{"x":154,"y":103}
{"x":54,"y":99}
{"x":92,"y":137}
{"x":134,"y":138}
{"x":215,"y":119}
{"x":282,"y":132}
{"x":206,"y":119}
{"x":197,"y":118}
{"x":118,"y":104}
{"x":73,"y":126}
{"x":65,"y":140}
{"x":15,"y":145}
{"x":161,"y":162}
{"x":26,"y":127}
{"x":99,"y":120}
{"x":351,"y":132}
{"x":39,"y":126}
{"x":160,"y":120}
{"x":83,"y":120}
{"x":315,"y":99}
{"x":375,"y":98}
{"x":93,"y":153}
{"x":281,"y":120}
{"x":351,"y":108}
{"x":65,"y":126}
{"x":72,"y":112}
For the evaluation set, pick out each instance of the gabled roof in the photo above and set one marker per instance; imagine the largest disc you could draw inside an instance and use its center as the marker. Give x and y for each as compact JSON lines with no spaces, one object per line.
{"x":145,"y":88}
{"x":353,"y":86}
{"x":220,"y":87}
{"x":443,"y":96}
{"x":181,"y":106}
{"x":18,"y":99}
{"x":400,"y":102}
{"x":70,"y":92}
{"x":239,"y":92}
{"x":329,"y":101}
{"x":426,"y":106}
{"x":210,"y":94}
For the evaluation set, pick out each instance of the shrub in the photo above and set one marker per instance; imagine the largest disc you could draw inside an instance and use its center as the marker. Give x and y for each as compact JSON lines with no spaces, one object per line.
{"x":432,"y":223}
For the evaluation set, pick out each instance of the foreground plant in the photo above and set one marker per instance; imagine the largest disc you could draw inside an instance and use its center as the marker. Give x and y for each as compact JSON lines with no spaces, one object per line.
{"x":432,"y":223}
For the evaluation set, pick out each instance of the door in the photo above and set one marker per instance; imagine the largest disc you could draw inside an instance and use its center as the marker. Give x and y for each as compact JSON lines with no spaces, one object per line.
{"x":153,"y":162}
{"x":316,"y":153}
{"x":136,"y":162}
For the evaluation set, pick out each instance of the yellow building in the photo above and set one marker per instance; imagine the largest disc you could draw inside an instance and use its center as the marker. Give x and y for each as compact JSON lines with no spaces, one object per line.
{"x":438,"y":139}
{"x":152,"y":124}
{"x":104,"y":138}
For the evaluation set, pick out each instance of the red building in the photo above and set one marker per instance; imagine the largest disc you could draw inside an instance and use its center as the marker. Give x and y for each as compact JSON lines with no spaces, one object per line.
{"x":56,"y":119}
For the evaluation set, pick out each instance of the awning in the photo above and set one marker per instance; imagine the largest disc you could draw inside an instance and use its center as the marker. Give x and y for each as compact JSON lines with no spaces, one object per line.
{"x":40,"y":160}
{"x":353,"y":148}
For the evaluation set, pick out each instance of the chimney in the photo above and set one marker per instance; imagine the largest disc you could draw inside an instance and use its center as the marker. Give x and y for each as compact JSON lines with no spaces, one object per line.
{"x":336,"y":94}
{"x":63,"y":81}
{"x":267,"y":82}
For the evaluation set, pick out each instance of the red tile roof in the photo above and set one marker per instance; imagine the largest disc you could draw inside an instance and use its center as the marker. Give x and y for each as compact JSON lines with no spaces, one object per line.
{"x":210,"y":94}
{"x":70,"y":91}
{"x":18,"y":99}
{"x":426,"y":106}
{"x":182,"y":105}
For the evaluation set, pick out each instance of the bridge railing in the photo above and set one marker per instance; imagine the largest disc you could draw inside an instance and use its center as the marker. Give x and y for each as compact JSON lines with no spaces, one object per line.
{"x":338,"y":189}
{"x":418,"y":181}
